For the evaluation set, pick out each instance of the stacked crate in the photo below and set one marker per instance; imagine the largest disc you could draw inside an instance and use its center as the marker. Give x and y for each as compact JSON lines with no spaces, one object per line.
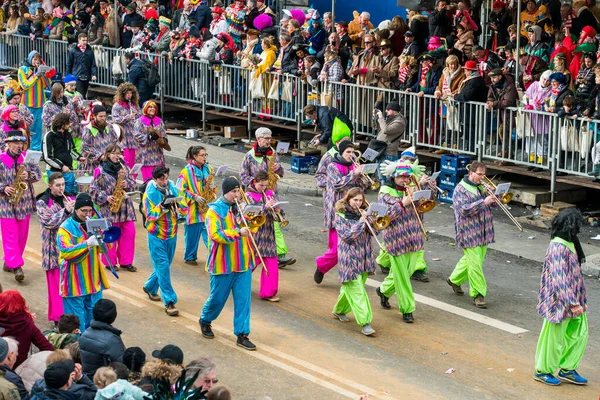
{"x":452,"y":170}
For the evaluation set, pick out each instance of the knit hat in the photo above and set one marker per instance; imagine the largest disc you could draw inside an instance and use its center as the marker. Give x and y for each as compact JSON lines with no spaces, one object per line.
{"x":339,"y":131}
{"x":164,"y":21}
{"x":262,"y":132}
{"x":147,"y":105}
{"x":169,"y":353}
{"x":31,"y":55}
{"x":403,"y":168}
{"x":131,"y":6}
{"x":470,"y":65}
{"x":3,"y":349}
{"x":409,"y":152}
{"x":83,"y":200}
{"x":15,"y":136}
{"x":58,"y":373}
{"x":194,"y":32}
{"x":394,"y":106}
{"x":7,"y":110}
{"x":344,"y":145}
{"x":98,"y":108}
{"x":498,"y":4}
{"x":70,"y":78}
{"x":230,"y":184}
{"x":105,"y":310}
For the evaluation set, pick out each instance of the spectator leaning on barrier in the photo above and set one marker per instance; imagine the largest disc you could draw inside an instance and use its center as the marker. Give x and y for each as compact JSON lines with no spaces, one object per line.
{"x":473,"y":88}
{"x":390,"y":128}
{"x":323,"y":117}
{"x":138,"y":77}
{"x":501,"y":95}
{"x":81,"y":63}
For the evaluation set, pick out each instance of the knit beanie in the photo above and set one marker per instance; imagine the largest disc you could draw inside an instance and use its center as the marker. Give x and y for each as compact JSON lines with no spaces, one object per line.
{"x":230,"y":184}
{"x":105,"y":310}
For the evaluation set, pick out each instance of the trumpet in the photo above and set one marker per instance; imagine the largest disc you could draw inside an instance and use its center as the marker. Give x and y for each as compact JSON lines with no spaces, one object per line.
{"x":365,"y":179}
{"x":277,"y":215}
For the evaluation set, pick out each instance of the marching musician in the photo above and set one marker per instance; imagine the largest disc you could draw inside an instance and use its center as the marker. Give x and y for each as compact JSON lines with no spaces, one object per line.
{"x":125,"y":112}
{"x":230,"y":263}
{"x":151,"y":138}
{"x":96,"y":136}
{"x":258,"y":159}
{"x":12,"y":122}
{"x":403,"y":238}
{"x":57,"y":103}
{"x":104,"y":192}
{"x":54,"y":206}
{"x":339,"y":133}
{"x":342,"y":175}
{"x":192,"y":184}
{"x":258,"y":193}
{"x":12,"y":97}
{"x":161,"y":224}
{"x":474,"y":229}
{"x":76,"y":100}
{"x":82,"y":278}
{"x":34,"y":81}
{"x":355,"y":259}
{"x":383,"y":259}
{"x":14,"y":218}
{"x":59,"y":150}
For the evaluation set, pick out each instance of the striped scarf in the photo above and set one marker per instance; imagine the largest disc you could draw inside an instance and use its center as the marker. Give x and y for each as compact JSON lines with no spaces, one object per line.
{"x":424,"y":72}
{"x":403,"y":73}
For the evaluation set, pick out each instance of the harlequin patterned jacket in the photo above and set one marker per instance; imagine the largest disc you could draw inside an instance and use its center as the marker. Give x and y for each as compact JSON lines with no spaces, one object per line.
{"x":8,"y":174}
{"x":104,"y":185}
{"x":355,"y":249}
{"x":340,"y":179}
{"x":51,"y":214}
{"x":126,"y":116}
{"x":265,"y":236}
{"x":94,"y":143}
{"x":252,"y":164}
{"x":473,"y":219}
{"x":321,"y":174}
{"x":149,"y":153}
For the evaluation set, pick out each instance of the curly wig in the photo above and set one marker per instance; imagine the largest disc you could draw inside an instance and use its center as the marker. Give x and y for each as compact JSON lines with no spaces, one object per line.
{"x":123,"y":89}
{"x":567,"y":224}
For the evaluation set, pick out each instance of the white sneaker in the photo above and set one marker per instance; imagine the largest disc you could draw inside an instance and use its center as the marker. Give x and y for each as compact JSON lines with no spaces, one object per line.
{"x":367,"y":330}
{"x":342,"y":317}
{"x":597,"y":237}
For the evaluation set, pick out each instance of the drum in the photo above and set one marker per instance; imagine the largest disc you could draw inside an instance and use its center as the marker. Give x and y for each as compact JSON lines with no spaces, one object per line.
{"x":119,"y":131}
{"x":83,"y":183}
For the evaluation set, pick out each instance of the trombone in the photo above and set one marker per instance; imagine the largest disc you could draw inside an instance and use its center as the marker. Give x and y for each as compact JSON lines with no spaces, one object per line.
{"x":256,"y":220}
{"x":417,"y":210}
{"x":277,"y":215}
{"x":365,"y":179}
{"x":380,"y":223}
{"x":427,"y":204}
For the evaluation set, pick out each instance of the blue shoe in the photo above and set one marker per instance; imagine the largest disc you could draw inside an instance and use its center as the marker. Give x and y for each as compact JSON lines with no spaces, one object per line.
{"x":571,"y":377}
{"x":548,"y":379}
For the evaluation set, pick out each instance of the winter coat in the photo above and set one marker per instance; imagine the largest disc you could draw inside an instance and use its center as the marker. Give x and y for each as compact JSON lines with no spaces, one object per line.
{"x":16,"y":380}
{"x":340,"y":179}
{"x":8,"y":173}
{"x":156,"y":371}
{"x":203,"y":16}
{"x":504,"y":96}
{"x":389,"y":130}
{"x":584,"y":18}
{"x":100,"y":345}
{"x":59,"y":150}
{"x":431,"y":81}
{"x":83,"y":389}
{"x":33,"y":369}
{"x":8,"y":390}
{"x":420,"y":28}
{"x":473,"y":219}
{"x":109,"y":28}
{"x":96,"y":33}
{"x":364,"y":61}
{"x":126,"y":35}
{"x":23,"y":329}
{"x":440,"y":23}
{"x":82,"y":64}
{"x":388,"y":75}
{"x":56,"y":394}
{"x":121,"y":390}
{"x":452,"y":80}
{"x":325,"y":117}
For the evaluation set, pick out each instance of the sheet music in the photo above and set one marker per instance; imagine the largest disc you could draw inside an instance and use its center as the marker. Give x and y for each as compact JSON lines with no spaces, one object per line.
{"x":434,"y":176}
{"x":421,"y":194}
{"x":379,"y":209}
{"x":280,"y":203}
{"x":252,"y":210}
{"x":172,"y":200}
{"x":33,"y":157}
{"x":369,"y":169}
{"x":136,"y":169}
{"x":502,"y":188}
{"x":221,"y":170}
{"x":282,"y":148}
{"x":94,"y":225}
{"x":370,"y":155}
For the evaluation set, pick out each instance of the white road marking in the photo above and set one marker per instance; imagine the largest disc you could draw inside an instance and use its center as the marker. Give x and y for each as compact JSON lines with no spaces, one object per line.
{"x":117,"y":295}
{"x":494,"y":323}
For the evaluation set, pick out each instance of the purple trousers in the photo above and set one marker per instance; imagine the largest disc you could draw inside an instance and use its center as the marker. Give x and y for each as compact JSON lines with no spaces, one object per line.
{"x":55,"y":301}
{"x":121,"y":252}
{"x":330,"y":259}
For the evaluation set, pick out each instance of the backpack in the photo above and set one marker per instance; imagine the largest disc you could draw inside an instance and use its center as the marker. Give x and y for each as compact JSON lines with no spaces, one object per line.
{"x":151,"y":72}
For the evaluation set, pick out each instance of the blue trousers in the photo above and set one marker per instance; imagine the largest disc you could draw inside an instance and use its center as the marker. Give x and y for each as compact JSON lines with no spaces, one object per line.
{"x":70,"y":186}
{"x":82,"y":306}
{"x":36,"y":128}
{"x":161,"y":254}
{"x":238,"y":283}
{"x":191,"y":236}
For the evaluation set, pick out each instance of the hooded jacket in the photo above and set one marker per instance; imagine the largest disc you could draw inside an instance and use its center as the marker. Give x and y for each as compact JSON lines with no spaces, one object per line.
{"x":23,"y":329}
{"x":83,"y":389}
{"x":12,"y":377}
{"x":156,"y":371}
{"x":59,"y":150}
{"x":100,"y":345}
{"x":121,"y":390}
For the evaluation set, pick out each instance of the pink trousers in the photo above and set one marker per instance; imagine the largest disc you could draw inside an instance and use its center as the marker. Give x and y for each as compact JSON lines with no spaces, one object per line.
{"x":329,"y":260}
{"x":14,"y":239}
{"x":147,"y":172}
{"x":269,"y":285}
{"x":55,"y":304}
{"x":129,"y":157}
{"x":121,"y":252}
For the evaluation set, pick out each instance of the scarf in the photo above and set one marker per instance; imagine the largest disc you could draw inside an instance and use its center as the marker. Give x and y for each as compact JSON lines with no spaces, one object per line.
{"x":111,"y":168}
{"x":12,"y":125}
{"x":82,"y":47}
{"x":498,"y":85}
{"x":424,"y":72}
{"x":63,"y":101}
{"x":80,"y":221}
{"x":556,"y":91}
{"x":262,"y":151}
{"x":403,"y":73}
{"x":340,"y":160}
{"x":351,"y":214}
{"x":154,"y":121}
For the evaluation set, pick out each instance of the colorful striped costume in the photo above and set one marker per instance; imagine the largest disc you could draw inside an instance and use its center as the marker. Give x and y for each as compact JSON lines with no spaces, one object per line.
{"x":33,"y":98}
{"x":94,"y":142}
{"x":51,"y":214}
{"x":191,"y":183}
{"x":126,"y":115}
{"x":14,"y":218}
{"x":122,"y":251}
{"x":564,"y":336}
{"x":51,"y":108}
{"x":82,"y":277}
{"x":149,"y":153}
{"x":235,"y":18}
{"x":230,"y":263}
{"x":402,"y":239}
{"x":161,"y":223}
{"x":474,"y":230}
{"x":355,"y":264}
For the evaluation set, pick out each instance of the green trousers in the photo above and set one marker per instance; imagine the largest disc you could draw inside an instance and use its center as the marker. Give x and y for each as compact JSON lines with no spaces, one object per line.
{"x":353,"y":297}
{"x":470,"y":268}
{"x":282,"y":248}
{"x":561,"y":345}
{"x":398,"y":281}
{"x":383,"y":259}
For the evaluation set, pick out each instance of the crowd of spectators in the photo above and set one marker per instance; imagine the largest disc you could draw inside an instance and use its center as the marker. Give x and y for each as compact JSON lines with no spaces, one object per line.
{"x":94,"y":364}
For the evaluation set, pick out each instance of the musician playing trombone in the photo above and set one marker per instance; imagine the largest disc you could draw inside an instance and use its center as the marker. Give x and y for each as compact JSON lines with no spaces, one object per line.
{"x":403,"y":239}
{"x":474,"y":230}
{"x":230,"y":262}
{"x":82,"y":278}
{"x":258,"y":194}
{"x":14,"y":215}
{"x":103,"y":189}
{"x":356,"y":261}
{"x":54,"y":206}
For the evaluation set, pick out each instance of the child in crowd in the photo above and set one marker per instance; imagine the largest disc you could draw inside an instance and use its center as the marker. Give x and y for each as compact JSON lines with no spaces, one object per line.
{"x":67,"y":332}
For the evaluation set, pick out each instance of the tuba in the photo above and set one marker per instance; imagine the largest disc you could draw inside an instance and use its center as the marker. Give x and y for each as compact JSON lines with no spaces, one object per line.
{"x":119,"y":193}
{"x":19,"y":186}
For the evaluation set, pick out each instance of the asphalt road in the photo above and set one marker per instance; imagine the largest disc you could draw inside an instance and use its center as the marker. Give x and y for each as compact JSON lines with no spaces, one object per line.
{"x":305,"y":353}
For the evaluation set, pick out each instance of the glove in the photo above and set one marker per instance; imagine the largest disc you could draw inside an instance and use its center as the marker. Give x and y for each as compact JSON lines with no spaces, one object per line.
{"x":153,"y":136}
{"x":418,"y":170}
{"x":39,"y":73}
{"x":93,"y":241}
{"x":387,"y":168}
{"x":200,"y":200}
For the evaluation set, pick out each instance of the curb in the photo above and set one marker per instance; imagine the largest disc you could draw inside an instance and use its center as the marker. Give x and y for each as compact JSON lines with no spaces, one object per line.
{"x":591,"y":269}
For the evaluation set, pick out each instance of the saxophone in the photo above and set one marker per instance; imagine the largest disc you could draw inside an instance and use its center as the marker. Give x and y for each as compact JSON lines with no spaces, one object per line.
{"x":273,"y":177}
{"x":119,"y":193}
{"x":208,"y":193}
{"x":19,"y":186}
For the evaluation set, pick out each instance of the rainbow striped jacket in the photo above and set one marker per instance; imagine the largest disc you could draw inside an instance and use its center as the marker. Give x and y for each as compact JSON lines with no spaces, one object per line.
{"x":81,"y":271}
{"x":190,"y":183}
{"x":33,"y":87}
{"x":160,"y":222}
{"x":227,"y":251}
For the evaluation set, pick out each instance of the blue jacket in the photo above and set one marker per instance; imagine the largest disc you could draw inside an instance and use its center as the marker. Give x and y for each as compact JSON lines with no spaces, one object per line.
{"x":137,"y":77}
{"x":84,"y":389}
{"x":16,"y":380}
{"x":56,"y":394}
{"x":82,"y":64}
{"x":435,"y":73}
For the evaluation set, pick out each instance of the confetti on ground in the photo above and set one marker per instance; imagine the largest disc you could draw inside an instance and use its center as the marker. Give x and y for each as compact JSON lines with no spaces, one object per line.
{"x":510,"y":369}
{"x":450,"y":371}
{"x":436,"y":259}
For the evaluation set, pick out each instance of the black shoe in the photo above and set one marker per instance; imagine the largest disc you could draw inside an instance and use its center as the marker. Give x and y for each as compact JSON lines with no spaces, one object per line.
{"x":384,"y":301}
{"x":19,"y":275}
{"x":408,"y":318}
{"x":6,"y":269}
{"x":206,"y":331}
{"x":420,"y":276}
{"x":457,"y":289}
{"x":384,"y":270}
{"x":245,"y":343}
{"x":318,"y":277}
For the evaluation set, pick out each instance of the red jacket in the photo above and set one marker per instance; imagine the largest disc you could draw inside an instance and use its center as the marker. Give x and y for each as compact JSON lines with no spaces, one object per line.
{"x":23,"y":329}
